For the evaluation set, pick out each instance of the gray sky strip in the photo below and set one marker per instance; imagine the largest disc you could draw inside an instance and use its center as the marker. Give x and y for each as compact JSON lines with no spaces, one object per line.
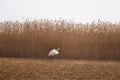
{"x":77,"y":10}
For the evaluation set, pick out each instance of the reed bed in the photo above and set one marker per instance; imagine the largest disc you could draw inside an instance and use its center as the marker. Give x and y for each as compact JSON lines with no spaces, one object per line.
{"x":35,"y":38}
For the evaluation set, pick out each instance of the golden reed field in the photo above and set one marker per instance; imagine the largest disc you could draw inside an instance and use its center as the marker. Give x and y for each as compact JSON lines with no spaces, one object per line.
{"x":88,"y":51}
{"x":34,"y":39}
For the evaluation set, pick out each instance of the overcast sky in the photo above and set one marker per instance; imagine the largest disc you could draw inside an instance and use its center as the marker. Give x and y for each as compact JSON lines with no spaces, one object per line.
{"x":76,"y":10}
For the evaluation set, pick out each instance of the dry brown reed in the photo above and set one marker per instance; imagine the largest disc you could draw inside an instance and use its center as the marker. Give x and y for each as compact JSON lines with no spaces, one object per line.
{"x":77,"y":41}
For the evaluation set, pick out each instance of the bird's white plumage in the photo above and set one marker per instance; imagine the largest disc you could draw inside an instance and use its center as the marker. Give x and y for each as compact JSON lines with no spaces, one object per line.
{"x":53,"y":52}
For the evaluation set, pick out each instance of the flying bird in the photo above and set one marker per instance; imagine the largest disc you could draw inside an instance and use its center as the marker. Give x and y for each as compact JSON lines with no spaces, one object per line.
{"x":54,"y":52}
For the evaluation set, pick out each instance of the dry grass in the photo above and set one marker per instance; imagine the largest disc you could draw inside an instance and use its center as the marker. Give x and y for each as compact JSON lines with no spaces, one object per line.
{"x":77,"y":41}
{"x":37,"y":69}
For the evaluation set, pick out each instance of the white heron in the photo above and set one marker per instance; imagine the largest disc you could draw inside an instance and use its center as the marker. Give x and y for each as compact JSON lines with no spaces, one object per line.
{"x":53,"y":52}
